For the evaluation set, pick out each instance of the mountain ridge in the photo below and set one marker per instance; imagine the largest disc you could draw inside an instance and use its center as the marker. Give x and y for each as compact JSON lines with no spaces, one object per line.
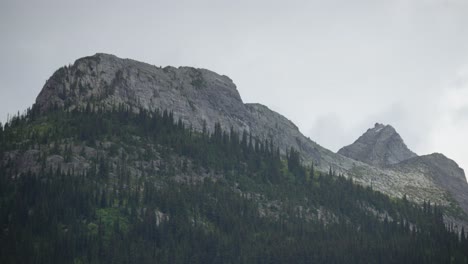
{"x":200,"y":98}
{"x":444,"y":171}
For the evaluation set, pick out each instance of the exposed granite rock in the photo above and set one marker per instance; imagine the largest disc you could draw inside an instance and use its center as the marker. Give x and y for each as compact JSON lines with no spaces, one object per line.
{"x":379,"y":146}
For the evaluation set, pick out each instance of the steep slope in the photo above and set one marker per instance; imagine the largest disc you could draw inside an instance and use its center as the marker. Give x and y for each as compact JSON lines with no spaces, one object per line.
{"x":194,"y":95}
{"x":379,"y":146}
{"x":201,"y":98}
{"x":443,"y":171}
{"x":198,"y":97}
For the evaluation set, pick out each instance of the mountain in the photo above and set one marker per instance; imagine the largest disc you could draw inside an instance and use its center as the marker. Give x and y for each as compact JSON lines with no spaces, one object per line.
{"x":382,"y":147}
{"x":379,"y":146}
{"x":121,"y":161}
{"x":200,"y":98}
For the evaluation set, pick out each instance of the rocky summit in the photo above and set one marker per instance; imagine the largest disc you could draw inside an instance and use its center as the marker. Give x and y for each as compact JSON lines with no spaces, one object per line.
{"x":379,"y":146}
{"x":200,"y":98}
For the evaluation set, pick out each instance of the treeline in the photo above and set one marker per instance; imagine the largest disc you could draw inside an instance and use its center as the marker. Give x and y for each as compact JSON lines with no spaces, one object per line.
{"x":266,"y":209}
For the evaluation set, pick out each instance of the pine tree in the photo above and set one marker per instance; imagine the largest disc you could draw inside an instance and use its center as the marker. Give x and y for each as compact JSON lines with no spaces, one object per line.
{"x":311,"y":171}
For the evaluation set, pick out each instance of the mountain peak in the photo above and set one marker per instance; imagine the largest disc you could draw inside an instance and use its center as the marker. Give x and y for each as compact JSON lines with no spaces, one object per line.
{"x":379,"y":146}
{"x":378,"y":127}
{"x":200,"y":98}
{"x":107,"y":80}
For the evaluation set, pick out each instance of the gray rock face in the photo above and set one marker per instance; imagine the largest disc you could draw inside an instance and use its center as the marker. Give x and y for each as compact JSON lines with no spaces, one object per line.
{"x":444,"y":172}
{"x":194,"y":95}
{"x":198,"y":97}
{"x":379,"y":146}
{"x":201,"y":97}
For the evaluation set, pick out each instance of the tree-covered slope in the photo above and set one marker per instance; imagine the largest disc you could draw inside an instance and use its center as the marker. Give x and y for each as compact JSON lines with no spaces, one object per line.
{"x":95,"y":186}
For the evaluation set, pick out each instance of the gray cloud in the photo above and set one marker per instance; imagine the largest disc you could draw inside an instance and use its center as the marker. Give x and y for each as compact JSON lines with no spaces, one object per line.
{"x":330,"y":131}
{"x":461,"y":114}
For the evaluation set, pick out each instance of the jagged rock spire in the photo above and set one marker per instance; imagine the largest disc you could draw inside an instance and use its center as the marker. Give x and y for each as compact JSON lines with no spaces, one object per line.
{"x":379,"y":146}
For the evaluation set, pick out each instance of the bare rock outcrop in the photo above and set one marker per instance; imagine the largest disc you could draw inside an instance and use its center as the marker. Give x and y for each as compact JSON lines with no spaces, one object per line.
{"x":198,"y":97}
{"x":443,"y":171}
{"x":379,"y":146}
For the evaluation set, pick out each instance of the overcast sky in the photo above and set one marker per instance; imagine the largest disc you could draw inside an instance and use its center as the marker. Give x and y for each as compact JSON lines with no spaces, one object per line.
{"x":333,"y":67}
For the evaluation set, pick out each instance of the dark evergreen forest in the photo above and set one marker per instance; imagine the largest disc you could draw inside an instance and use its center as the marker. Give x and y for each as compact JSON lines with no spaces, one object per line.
{"x":261,"y":207}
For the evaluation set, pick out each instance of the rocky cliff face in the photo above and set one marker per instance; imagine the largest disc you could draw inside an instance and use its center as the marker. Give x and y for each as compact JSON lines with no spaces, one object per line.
{"x":379,"y":146}
{"x":443,"y":171}
{"x":194,"y":95}
{"x":201,"y":97}
{"x":198,"y":97}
